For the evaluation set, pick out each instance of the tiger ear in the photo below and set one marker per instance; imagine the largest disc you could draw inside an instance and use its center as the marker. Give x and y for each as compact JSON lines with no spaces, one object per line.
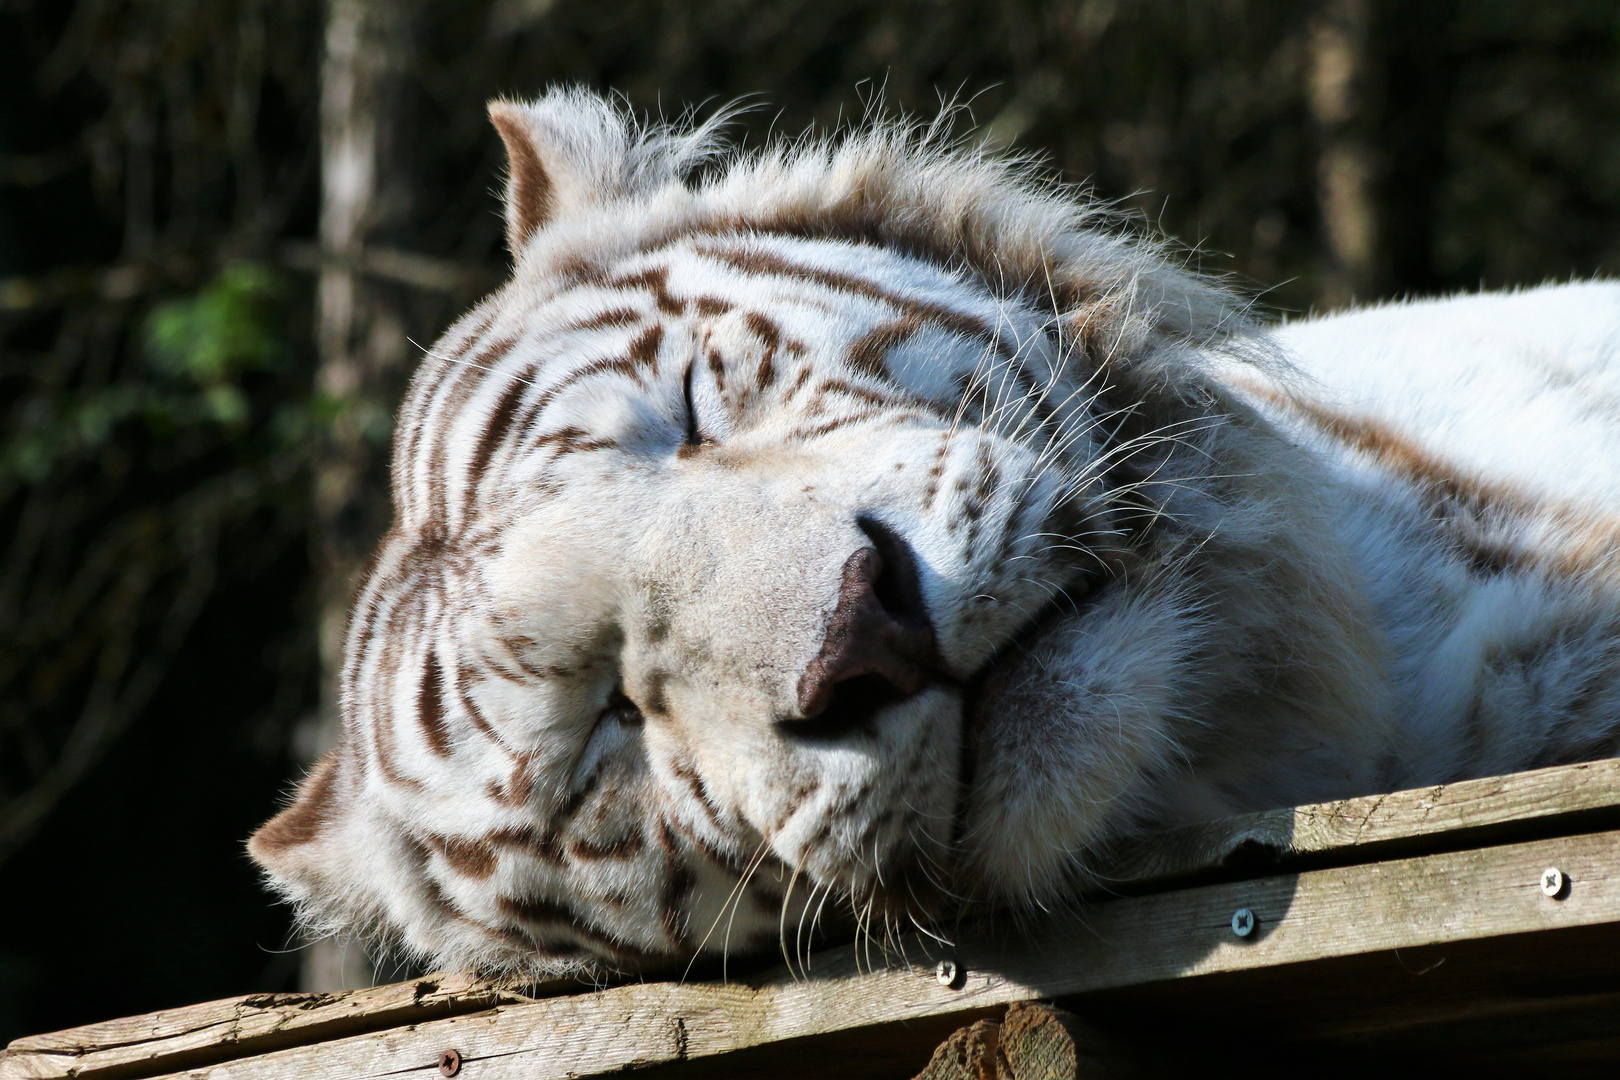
{"x":531,"y":194}
{"x":298,"y":844}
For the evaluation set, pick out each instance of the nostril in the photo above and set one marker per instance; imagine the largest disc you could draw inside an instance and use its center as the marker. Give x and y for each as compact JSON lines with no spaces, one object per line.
{"x":850,"y":707}
{"x":879,"y":646}
{"x":898,"y":585}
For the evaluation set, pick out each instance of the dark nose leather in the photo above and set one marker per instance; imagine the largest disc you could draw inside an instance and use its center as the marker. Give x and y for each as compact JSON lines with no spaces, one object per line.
{"x":879,"y":636}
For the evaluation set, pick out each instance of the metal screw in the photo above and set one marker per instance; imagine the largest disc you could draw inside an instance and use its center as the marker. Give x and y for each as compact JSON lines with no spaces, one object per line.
{"x":948,"y":974}
{"x":1243,"y":922}
{"x":449,"y":1063}
{"x":1553,"y":882}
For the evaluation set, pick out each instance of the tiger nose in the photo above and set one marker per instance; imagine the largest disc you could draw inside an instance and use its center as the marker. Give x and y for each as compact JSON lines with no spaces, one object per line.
{"x":879,"y":647}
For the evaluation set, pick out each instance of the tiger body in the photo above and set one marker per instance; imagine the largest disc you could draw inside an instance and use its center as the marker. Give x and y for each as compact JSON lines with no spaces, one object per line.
{"x":867,"y":527}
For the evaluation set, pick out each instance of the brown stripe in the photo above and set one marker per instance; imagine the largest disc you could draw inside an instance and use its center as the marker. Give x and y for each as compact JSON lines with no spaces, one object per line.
{"x":834,"y":425}
{"x":620,"y":847}
{"x":799,"y":381}
{"x":717,"y":368}
{"x":431,"y":889}
{"x":684,"y":771}
{"x":656,"y":281}
{"x":495,"y":429}
{"x":754,"y":261}
{"x":470,"y":707}
{"x":363,"y":619}
{"x":706,"y":848}
{"x":612,"y":365}
{"x":644,"y":349}
{"x":571,"y":440}
{"x":430,"y":705}
{"x":805,"y":790}
{"x":543,"y":914}
{"x":382,"y":741}
{"x":1453,"y":494}
{"x":412,"y":431}
{"x":578,"y":270}
{"x":870,"y":351}
{"x":975,"y":504}
{"x":408,"y":613}
{"x":480,"y":321}
{"x":520,"y":783}
{"x":602,"y":320}
{"x":470,"y":858}
{"x":849,"y":801}
{"x":448,"y":402}
{"x":542,"y":844}
{"x":771,"y":334}
{"x":866,"y":394}
{"x":936,"y":471}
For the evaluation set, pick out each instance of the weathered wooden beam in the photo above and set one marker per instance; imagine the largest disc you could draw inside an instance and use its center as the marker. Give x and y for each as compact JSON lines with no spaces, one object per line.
{"x":1345,"y":911}
{"x":197,"y":1035}
{"x":1542,"y":803}
{"x":1545,"y":802}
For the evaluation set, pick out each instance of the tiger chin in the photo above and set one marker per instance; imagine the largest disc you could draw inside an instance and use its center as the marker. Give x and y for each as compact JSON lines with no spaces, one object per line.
{"x":866,"y":528}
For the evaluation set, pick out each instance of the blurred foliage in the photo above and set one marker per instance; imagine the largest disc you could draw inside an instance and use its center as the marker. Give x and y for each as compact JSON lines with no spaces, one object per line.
{"x":223,"y":331}
{"x":159,"y":424}
{"x":211,"y":358}
{"x":154,"y":408}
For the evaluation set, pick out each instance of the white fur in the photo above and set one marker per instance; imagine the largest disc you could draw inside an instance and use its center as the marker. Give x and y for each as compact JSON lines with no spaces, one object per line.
{"x":1523,"y":386}
{"x":1165,"y":581}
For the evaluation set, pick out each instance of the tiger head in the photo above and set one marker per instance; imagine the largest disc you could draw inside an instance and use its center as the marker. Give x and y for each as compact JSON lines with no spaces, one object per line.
{"x":851,"y":521}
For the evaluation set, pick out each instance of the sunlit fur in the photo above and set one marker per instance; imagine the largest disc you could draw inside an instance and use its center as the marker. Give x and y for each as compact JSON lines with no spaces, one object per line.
{"x":1165,"y":580}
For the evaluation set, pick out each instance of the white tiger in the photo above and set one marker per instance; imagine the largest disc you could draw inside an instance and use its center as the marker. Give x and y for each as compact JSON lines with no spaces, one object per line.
{"x":866,"y":519}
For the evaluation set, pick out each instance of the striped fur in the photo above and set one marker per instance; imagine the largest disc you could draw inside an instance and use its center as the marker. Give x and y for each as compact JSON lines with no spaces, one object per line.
{"x":586,"y":701}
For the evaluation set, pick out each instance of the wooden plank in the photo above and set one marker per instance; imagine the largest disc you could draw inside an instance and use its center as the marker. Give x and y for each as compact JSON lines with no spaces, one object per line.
{"x":1544,"y":802}
{"x":216,"y":1030}
{"x":1345,"y":911}
{"x":1446,"y":817}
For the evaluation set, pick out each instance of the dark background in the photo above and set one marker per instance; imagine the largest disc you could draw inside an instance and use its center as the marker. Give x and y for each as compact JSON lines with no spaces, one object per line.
{"x":200,"y":346}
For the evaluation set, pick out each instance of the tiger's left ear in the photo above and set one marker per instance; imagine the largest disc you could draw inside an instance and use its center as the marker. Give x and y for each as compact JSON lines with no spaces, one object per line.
{"x":565,"y":151}
{"x":531,"y":199}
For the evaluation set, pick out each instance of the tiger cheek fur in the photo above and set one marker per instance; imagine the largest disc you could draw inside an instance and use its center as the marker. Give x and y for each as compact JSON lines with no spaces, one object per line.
{"x":856,"y":520}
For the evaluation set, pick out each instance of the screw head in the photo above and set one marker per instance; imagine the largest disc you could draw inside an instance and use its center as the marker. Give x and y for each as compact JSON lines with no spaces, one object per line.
{"x":948,"y":973}
{"x":1244,"y":922}
{"x":1553,"y":882}
{"x":450,"y":1062}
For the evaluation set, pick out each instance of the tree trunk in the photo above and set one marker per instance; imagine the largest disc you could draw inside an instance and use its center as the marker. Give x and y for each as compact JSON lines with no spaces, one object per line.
{"x":1341,"y":91}
{"x":364,"y":349}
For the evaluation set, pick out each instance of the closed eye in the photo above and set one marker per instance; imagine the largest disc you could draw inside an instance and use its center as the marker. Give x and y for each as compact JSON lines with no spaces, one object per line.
{"x":694,"y":436}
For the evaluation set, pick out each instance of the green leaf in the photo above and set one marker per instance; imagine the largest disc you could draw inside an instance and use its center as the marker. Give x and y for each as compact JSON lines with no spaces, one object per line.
{"x":228,"y":328}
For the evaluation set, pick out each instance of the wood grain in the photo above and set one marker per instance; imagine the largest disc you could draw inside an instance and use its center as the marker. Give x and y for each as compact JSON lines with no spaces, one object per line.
{"x":1351,"y":830}
{"x":214,"y":1030}
{"x":1341,"y":911}
{"x":1450,"y":816}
